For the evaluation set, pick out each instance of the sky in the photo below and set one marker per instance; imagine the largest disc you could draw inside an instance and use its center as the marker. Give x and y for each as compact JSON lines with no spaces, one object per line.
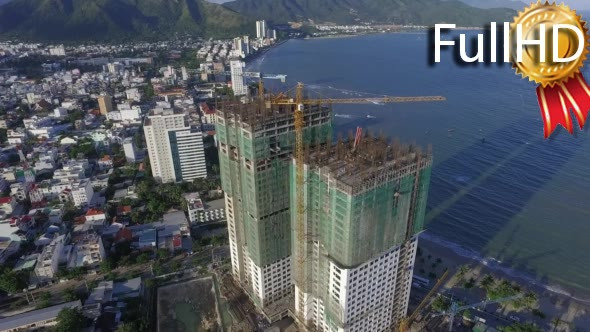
{"x":577,"y":4}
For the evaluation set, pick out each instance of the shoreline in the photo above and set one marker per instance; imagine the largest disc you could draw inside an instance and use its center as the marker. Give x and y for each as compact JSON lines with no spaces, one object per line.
{"x":454,"y":253}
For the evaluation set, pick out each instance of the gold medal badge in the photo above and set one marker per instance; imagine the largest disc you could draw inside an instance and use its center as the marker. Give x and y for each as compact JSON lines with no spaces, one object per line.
{"x":561,"y":85}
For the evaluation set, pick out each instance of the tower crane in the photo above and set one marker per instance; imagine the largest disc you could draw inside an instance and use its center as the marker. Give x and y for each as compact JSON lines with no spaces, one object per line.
{"x":405,"y":323}
{"x":455,"y":308}
{"x":299,"y":102}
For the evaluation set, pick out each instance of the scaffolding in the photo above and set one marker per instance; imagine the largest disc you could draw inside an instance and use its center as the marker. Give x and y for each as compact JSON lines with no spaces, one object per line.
{"x":257,"y":141}
{"x":358,"y":202}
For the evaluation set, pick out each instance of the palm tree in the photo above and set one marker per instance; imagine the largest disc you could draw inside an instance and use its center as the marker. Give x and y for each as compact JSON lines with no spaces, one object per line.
{"x":556,"y":323}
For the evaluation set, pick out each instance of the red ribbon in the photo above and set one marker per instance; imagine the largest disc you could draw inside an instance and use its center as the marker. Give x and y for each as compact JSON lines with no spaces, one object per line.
{"x":557,"y":101}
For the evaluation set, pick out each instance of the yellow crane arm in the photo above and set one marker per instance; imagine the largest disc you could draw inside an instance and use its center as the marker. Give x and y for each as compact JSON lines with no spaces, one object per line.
{"x":361,"y":100}
{"x":403,"y":326}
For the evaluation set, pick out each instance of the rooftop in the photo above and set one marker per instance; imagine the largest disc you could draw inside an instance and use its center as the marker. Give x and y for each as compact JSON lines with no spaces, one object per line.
{"x":354,"y":164}
{"x":35,"y":316}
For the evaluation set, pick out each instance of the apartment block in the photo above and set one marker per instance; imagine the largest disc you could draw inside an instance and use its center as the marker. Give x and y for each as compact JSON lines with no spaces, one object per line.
{"x":355,"y":233}
{"x":175,"y":148}
{"x":105,"y":104}
{"x":255,"y":147}
{"x":48,"y":260}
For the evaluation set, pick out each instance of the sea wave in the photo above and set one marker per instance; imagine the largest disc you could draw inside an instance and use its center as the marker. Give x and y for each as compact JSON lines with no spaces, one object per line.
{"x":495,"y":264}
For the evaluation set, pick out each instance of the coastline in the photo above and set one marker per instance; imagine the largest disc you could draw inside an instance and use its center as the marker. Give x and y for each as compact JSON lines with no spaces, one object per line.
{"x":457,"y":256}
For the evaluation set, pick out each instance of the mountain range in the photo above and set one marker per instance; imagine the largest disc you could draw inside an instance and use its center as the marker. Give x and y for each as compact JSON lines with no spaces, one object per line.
{"x":99,"y":20}
{"x":417,"y":12}
{"x":512,"y":4}
{"x":118,"y":19}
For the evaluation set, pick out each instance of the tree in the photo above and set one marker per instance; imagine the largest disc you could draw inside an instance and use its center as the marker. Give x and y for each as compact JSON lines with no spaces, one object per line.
{"x":143,"y":258}
{"x":44,"y":300}
{"x":440,"y":304}
{"x":3,"y":135}
{"x":462,"y":271}
{"x":196,"y":246}
{"x":529,"y":301}
{"x":487,"y":282}
{"x":504,"y":289}
{"x":13,"y":282}
{"x":107,"y":266}
{"x":69,"y":320}
{"x":520,"y":327}
{"x":70,"y":295}
{"x":127,"y":327}
{"x":467,"y":315}
{"x":163,"y":254}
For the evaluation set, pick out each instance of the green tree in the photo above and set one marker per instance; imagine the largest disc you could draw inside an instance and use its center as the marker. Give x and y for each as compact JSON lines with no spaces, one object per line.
{"x":196,"y":246}
{"x":13,"y":282}
{"x":143,"y":258}
{"x":127,"y":327}
{"x":3,"y":135}
{"x":107,"y":266}
{"x":520,"y":327}
{"x":69,"y":320}
{"x":467,"y":315}
{"x":440,"y":304}
{"x":70,"y":295}
{"x":487,"y":282}
{"x":502,"y":290}
{"x":163,"y":254}
{"x":44,"y":300}
{"x":529,"y":301}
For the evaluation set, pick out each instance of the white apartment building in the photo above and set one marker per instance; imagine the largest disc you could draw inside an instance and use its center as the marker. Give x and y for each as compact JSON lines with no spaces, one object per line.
{"x":88,"y":251}
{"x":82,"y":193}
{"x":175,"y":149}
{"x":361,"y":297}
{"x":129,"y":115}
{"x":48,"y":261}
{"x":133,"y":94}
{"x":194,"y":206}
{"x":237,"y":78}
{"x":261,"y":29}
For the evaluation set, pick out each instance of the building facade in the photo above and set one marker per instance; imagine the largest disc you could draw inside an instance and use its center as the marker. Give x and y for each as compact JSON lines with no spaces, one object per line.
{"x":355,"y":237}
{"x":255,"y":147}
{"x":48,"y":260}
{"x":237,"y":78}
{"x":261,"y":29}
{"x":105,"y":104}
{"x":175,"y":148}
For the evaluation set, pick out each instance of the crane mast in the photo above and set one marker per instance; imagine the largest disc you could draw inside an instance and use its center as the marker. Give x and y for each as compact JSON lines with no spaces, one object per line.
{"x":299,"y":104}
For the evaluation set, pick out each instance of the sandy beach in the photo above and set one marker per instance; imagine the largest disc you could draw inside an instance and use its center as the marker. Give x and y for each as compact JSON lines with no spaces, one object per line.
{"x":572,"y":309}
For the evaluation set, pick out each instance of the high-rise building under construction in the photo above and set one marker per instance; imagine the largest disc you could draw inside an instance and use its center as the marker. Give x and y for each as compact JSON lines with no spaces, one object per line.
{"x":340,"y":257}
{"x":256,"y":143}
{"x":363,"y":205}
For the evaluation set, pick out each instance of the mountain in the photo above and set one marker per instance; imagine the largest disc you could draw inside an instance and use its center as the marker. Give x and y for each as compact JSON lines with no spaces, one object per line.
{"x":486,"y":4}
{"x":65,"y":20}
{"x":418,"y":12}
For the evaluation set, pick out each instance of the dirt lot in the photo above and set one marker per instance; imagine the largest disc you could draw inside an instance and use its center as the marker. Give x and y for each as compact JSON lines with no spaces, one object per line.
{"x":188,"y":306}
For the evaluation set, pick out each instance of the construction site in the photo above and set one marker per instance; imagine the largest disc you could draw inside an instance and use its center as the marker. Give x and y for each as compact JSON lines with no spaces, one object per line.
{"x":321,"y":230}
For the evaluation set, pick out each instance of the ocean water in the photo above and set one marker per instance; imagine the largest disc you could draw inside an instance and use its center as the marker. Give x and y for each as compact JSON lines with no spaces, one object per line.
{"x":499,"y":191}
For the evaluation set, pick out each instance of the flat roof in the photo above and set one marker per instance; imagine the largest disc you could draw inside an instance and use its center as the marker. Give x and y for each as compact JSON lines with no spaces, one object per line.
{"x":35,"y":316}
{"x":128,"y":286}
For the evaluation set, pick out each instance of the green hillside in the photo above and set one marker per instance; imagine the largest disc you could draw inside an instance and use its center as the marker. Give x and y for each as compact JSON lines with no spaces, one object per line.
{"x":419,"y":12}
{"x":118,"y":19}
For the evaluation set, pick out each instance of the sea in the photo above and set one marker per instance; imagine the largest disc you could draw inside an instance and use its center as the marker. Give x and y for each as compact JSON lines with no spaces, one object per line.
{"x":500,"y":192}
